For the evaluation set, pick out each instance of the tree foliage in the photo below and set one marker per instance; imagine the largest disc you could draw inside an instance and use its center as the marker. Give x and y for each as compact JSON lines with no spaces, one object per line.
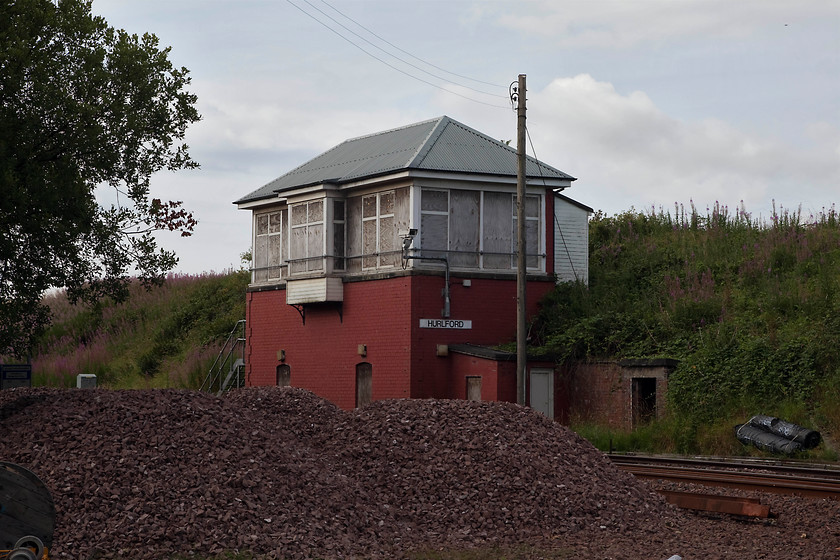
{"x":750,"y":308}
{"x":83,"y":106}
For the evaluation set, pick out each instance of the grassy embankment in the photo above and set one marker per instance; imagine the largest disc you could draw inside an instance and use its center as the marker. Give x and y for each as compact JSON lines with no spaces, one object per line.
{"x":166,"y":337}
{"x":750,"y":307}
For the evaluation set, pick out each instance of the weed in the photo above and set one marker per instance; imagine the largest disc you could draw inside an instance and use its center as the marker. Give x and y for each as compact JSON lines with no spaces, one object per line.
{"x":749,"y":307}
{"x":164,"y":337}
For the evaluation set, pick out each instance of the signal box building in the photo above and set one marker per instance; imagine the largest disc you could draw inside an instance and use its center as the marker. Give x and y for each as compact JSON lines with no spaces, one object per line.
{"x":386,"y":268}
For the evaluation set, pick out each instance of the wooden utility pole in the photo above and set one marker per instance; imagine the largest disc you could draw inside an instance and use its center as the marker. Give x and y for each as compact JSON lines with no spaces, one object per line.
{"x":521,"y":327}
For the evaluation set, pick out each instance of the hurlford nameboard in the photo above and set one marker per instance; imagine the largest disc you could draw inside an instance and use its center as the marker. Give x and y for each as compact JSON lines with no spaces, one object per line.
{"x":445,"y":324}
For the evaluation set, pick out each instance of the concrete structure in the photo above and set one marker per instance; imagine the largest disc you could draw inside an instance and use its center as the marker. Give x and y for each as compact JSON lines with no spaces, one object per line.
{"x":86,"y":381}
{"x":622,"y":395}
{"x":386,"y":268}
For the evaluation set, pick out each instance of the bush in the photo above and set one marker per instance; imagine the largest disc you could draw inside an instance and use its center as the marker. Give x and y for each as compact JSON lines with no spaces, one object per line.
{"x":750,"y":308}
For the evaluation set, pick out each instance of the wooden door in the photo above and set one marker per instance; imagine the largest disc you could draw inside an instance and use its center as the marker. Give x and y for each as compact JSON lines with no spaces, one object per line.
{"x":364,"y":384}
{"x":474,"y":388}
{"x":284,"y":375}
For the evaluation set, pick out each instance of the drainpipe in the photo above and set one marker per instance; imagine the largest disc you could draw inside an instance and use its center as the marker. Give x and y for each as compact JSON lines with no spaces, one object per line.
{"x":408,"y":239}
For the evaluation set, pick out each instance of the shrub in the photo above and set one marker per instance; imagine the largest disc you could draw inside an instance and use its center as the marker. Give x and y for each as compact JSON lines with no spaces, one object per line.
{"x":750,"y":307}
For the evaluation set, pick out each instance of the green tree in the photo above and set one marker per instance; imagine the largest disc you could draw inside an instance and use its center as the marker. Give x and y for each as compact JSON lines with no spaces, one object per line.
{"x":83,"y":106}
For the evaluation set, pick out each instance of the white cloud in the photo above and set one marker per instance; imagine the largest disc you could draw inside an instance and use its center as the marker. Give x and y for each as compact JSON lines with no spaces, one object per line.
{"x":671,"y":100}
{"x":627,"y":152}
{"x":622,"y":24}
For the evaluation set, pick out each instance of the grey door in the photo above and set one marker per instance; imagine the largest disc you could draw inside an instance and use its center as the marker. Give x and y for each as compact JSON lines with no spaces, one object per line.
{"x":542,"y":391}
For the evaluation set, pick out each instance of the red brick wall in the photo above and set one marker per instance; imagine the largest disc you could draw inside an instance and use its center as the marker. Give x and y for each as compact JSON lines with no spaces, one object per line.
{"x":385,"y":316}
{"x":464,"y":366}
{"x":498,"y":381}
{"x":507,"y":382}
{"x":601,"y":392}
{"x":323,"y":352}
{"x":597,"y":393}
{"x":489,"y":304}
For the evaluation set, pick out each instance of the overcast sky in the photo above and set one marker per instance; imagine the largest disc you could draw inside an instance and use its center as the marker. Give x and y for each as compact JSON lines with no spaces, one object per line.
{"x":647,"y":102}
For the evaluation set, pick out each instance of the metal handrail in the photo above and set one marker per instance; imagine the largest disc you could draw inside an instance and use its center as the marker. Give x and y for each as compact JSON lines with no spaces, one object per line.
{"x":233,"y":342}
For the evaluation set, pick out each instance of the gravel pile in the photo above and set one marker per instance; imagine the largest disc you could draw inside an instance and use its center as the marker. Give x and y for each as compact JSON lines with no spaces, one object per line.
{"x":284,"y":474}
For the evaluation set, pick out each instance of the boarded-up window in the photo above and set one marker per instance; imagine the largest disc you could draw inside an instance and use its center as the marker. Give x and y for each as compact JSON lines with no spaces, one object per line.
{"x":269,"y":245}
{"x":450,"y":225}
{"x":284,"y":375}
{"x":354,"y":233}
{"x":307,"y":237}
{"x":379,"y":235}
{"x":388,"y":255}
{"x":464,"y":226}
{"x":434,"y":222}
{"x":497,"y":239}
{"x":477,"y":230}
{"x":532,"y":231}
{"x":364,"y":383}
{"x":261,"y":248}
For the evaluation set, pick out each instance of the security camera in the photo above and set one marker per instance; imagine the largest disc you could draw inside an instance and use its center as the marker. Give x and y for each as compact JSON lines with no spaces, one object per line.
{"x":408,"y":237}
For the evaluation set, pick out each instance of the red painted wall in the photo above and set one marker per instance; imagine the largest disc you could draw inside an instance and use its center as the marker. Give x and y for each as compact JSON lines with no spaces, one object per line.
{"x":498,"y":381}
{"x":463,"y":366}
{"x":323,"y":351}
{"x":491,"y":306}
{"x":384,"y":315}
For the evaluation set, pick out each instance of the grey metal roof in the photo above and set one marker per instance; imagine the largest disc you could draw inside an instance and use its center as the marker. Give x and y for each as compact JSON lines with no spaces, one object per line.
{"x":441,"y":144}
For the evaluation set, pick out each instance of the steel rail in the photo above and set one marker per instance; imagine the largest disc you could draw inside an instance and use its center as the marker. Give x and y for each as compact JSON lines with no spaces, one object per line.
{"x":829,"y":470}
{"x":818,"y":483}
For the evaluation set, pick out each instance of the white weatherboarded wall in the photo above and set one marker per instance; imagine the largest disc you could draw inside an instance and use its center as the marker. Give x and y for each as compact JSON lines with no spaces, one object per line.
{"x":571,"y":239}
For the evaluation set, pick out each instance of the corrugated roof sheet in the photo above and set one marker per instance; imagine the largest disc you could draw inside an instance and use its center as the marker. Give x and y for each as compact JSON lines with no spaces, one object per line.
{"x":441,"y":144}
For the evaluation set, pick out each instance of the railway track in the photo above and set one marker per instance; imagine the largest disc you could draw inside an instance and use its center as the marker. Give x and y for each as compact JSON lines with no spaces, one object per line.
{"x":783,"y":477}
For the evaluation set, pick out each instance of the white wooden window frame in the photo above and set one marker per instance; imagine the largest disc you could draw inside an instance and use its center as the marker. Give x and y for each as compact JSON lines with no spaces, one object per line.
{"x":424,"y":244}
{"x":312,"y":258}
{"x":376,"y":259}
{"x":266,"y":268}
{"x":339,"y":223}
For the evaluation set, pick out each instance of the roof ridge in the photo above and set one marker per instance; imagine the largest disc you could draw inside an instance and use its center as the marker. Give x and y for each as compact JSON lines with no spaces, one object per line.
{"x":426,"y":145}
{"x":391,"y":130}
{"x":354,"y":160}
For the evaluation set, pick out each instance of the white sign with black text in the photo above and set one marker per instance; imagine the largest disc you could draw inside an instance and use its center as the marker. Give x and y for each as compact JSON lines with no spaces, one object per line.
{"x":445,"y":324}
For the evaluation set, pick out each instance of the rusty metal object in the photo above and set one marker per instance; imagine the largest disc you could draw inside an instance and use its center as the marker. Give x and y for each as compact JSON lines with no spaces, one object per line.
{"x":750,"y":507}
